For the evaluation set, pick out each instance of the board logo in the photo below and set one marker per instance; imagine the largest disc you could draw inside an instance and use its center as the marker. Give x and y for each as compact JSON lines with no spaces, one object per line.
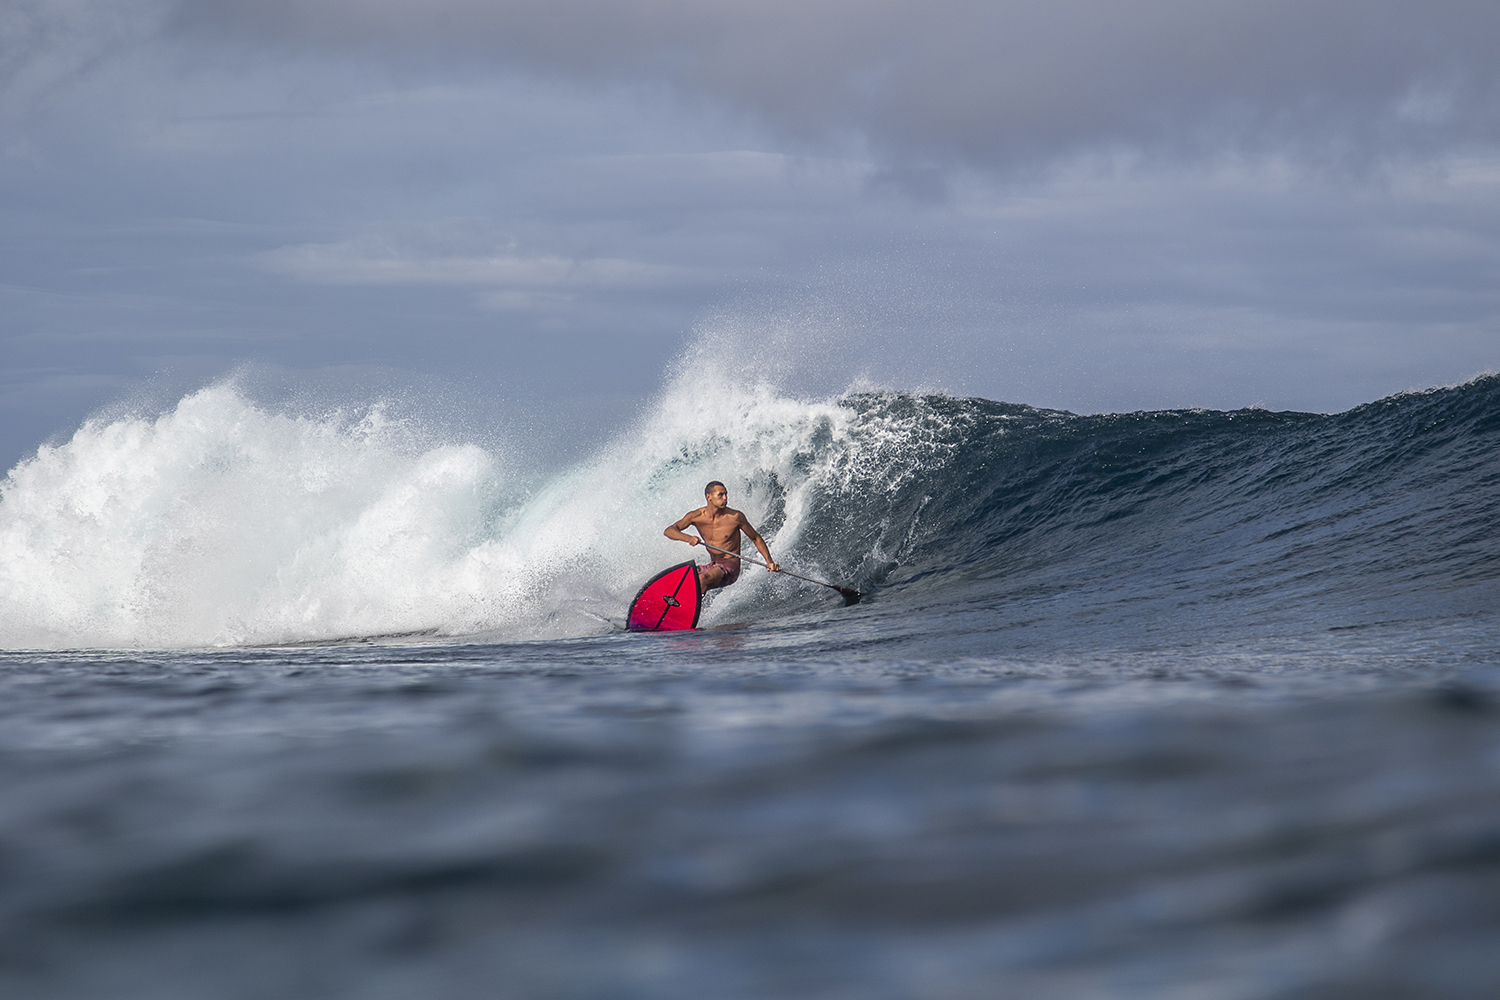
{"x":672,"y":602}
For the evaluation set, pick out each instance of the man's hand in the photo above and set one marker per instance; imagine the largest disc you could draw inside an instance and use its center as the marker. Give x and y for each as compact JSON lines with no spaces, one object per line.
{"x":773,"y":567}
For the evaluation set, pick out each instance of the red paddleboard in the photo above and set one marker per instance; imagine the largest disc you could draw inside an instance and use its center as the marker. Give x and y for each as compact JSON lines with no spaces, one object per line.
{"x":669,"y":602}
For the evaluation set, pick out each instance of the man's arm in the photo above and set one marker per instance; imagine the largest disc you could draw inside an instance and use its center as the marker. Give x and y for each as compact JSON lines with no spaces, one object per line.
{"x":760,"y":543}
{"x":675,"y":532}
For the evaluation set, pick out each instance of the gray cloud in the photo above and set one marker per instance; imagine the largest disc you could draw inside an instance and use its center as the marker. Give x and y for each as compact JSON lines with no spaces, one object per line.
{"x":988,"y":81}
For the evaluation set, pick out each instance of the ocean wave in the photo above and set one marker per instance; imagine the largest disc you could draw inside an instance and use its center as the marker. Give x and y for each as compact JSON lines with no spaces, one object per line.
{"x":222,"y":522}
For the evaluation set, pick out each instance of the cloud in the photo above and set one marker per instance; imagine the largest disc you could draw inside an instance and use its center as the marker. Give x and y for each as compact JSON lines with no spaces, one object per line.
{"x":365,"y":262}
{"x":983,"y":81}
{"x":505,"y":280}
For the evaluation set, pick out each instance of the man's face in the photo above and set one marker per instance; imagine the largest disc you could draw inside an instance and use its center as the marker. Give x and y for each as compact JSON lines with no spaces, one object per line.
{"x":717,"y":497}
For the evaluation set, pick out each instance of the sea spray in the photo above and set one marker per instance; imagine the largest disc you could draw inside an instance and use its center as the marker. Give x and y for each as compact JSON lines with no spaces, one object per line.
{"x":222,"y":523}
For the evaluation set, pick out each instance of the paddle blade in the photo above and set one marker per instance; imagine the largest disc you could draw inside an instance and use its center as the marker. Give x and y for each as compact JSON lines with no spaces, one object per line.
{"x":849,"y":596}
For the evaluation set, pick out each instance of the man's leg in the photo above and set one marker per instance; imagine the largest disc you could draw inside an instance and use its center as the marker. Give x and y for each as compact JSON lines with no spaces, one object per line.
{"x":711,"y":577}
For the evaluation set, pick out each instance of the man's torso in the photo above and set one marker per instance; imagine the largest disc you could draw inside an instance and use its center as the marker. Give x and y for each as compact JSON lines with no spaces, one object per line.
{"x":722,"y":530}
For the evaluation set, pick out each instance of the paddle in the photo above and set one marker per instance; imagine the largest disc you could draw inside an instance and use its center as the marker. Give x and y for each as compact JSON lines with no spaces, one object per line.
{"x":849,"y":595}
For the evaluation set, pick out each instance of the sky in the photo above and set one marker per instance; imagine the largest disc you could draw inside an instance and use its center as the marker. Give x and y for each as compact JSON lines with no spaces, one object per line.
{"x":527,"y":215}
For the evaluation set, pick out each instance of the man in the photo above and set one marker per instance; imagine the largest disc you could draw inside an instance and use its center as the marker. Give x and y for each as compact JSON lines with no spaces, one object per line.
{"x":720,"y":527}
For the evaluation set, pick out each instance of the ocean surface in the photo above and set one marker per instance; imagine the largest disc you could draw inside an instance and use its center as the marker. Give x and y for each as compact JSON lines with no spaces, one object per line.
{"x":1181,"y":704}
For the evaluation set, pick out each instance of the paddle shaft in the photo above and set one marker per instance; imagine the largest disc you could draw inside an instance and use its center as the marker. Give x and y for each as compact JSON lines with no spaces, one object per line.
{"x":752,"y":559}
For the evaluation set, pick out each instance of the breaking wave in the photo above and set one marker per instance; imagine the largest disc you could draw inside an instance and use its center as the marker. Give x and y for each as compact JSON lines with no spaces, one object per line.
{"x":222,"y":522}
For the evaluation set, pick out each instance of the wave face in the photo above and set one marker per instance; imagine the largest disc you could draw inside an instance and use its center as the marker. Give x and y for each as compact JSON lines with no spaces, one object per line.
{"x":1194,"y":520}
{"x":222,"y":523}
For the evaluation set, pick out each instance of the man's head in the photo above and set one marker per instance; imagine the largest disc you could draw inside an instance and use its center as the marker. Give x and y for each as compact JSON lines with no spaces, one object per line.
{"x":715,"y":493}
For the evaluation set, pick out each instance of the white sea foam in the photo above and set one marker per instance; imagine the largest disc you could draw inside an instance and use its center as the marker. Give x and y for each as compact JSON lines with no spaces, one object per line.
{"x":221,"y":522}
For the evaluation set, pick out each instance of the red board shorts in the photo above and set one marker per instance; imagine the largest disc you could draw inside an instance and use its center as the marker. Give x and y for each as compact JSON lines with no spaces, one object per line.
{"x":729,"y":567}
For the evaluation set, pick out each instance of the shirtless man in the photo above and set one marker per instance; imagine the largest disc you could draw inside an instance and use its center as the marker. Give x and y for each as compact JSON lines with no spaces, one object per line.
{"x":720,"y":525}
